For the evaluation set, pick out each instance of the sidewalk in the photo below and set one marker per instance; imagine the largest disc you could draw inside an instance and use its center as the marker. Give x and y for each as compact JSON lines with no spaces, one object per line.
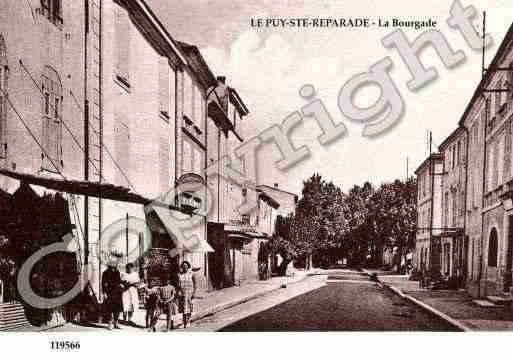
{"x":209,"y":303}
{"x":455,"y":305}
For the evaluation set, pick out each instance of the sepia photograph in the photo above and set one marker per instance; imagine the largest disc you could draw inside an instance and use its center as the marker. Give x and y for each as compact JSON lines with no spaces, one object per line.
{"x":301,"y":168}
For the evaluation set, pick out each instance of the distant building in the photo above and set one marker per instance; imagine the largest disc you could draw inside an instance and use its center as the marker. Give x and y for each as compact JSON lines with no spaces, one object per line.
{"x":454,"y":244}
{"x":429,"y":213}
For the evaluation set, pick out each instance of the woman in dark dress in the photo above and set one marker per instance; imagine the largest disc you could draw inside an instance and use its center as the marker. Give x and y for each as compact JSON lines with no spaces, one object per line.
{"x":113,"y":290}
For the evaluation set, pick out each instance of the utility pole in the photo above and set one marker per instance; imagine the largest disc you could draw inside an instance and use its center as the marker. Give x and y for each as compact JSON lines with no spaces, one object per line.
{"x":86,"y":133}
{"x":407,"y":167}
{"x":483,"y":49}
{"x":126,"y":238}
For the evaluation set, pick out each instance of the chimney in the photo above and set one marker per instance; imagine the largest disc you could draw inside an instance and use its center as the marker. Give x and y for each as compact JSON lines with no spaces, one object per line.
{"x":276,"y":185}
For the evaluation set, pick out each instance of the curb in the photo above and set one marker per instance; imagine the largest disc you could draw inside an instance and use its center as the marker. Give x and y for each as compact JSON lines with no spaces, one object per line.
{"x":220,"y":307}
{"x":451,"y":321}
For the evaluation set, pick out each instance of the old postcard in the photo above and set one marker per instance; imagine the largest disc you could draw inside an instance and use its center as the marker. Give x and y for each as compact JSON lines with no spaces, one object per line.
{"x":255,"y":166}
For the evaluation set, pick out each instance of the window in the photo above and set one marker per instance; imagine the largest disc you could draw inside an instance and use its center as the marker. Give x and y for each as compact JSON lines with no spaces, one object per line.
{"x":186,"y":157}
{"x":500,"y":160}
{"x":192,"y":158}
{"x":199,"y":108}
{"x":419,"y":187}
{"x":446,"y":209}
{"x":497,"y":97}
{"x":52,"y":9}
{"x":188,"y":93}
{"x":459,"y":153}
{"x":490,"y":164}
{"x":197,"y":164}
{"x":462,"y":203}
{"x":52,"y":125}
{"x":4,"y":90}
{"x":510,"y":82}
{"x":164,"y":87}
{"x":122,"y":150}
{"x":122,"y":39}
{"x":493,"y":247}
{"x":454,"y":208}
{"x":447,"y":258}
{"x":453,"y":156}
{"x":475,"y":131}
{"x":172,"y":93}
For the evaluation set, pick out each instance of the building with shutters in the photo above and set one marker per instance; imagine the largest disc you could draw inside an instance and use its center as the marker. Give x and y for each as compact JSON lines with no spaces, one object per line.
{"x":476,"y":243}
{"x":100,"y":103}
{"x":488,"y":122}
{"x":453,"y":242}
{"x":429,"y":216}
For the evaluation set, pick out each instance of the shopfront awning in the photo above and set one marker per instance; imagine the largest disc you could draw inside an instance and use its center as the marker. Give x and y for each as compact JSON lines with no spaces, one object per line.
{"x":201,"y":246}
{"x":243,"y":233}
{"x":169,"y":219}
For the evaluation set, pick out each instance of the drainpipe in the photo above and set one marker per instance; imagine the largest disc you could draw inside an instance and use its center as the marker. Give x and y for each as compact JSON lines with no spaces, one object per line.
{"x":467,"y":135}
{"x":481,"y":267}
{"x":432,"y":199}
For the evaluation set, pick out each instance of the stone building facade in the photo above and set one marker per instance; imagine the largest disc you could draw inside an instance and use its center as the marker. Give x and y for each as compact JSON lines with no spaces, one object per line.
{"x":429,"y":214}
{"x":478,"y":183}
{"x":453,"y":242}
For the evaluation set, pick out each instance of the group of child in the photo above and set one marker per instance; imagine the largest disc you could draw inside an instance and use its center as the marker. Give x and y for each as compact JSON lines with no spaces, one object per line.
{"x":161,"y":300}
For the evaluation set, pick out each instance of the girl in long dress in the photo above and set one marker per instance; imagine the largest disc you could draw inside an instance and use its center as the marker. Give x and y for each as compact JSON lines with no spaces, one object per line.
{"x":130,"y":295}
{"x":187,"y":289}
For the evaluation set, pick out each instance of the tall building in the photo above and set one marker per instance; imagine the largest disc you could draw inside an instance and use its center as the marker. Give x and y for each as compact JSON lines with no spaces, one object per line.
{"x":487,"y":119}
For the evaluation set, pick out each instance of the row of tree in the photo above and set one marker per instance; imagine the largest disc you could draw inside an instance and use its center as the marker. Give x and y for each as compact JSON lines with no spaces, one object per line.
{"x":329,"y":225}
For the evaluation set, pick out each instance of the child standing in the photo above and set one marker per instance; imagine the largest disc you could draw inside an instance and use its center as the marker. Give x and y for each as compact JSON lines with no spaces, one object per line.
{"x":167,"y":302}
{"x":152,"y":307}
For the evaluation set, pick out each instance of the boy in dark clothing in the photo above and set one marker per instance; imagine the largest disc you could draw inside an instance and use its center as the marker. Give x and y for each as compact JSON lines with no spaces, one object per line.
{"x":112,"y":289}
{"x":152,"y":307}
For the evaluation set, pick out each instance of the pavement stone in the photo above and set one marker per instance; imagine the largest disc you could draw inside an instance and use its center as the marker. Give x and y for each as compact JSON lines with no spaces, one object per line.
{"x":457,"y":305}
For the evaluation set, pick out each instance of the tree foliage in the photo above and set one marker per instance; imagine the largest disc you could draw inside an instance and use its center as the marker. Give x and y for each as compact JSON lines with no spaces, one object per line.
{"x":330,"y":224}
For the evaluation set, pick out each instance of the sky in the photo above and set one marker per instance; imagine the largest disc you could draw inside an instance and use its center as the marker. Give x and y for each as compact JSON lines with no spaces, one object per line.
{"x":269,"y":66}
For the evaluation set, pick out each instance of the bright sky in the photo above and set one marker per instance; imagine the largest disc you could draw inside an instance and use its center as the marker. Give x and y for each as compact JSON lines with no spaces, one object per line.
{"x":268,"y":67}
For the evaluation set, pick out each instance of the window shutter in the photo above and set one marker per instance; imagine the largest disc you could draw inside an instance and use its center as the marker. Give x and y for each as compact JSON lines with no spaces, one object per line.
{"x":500,"y":160}
{"x":187,"y":100}
{"x":57,"y":10}
{"x":45,"y":5}
{"x":122,"y":44}
{"x":186,"y":157}
{"x":164,"y":86}
{"x":510,"y":82}
{"x":172,"y":93}
{"x":198,"y":165}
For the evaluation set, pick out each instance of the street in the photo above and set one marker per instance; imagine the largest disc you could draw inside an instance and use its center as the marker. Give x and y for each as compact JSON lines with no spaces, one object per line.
{"x":336,"y":300}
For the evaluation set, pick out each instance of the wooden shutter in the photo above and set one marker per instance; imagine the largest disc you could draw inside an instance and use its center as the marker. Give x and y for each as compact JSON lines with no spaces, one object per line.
{"x":164,"y":86}
{"x":122,"y":29}
{"x":186,"y":157}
